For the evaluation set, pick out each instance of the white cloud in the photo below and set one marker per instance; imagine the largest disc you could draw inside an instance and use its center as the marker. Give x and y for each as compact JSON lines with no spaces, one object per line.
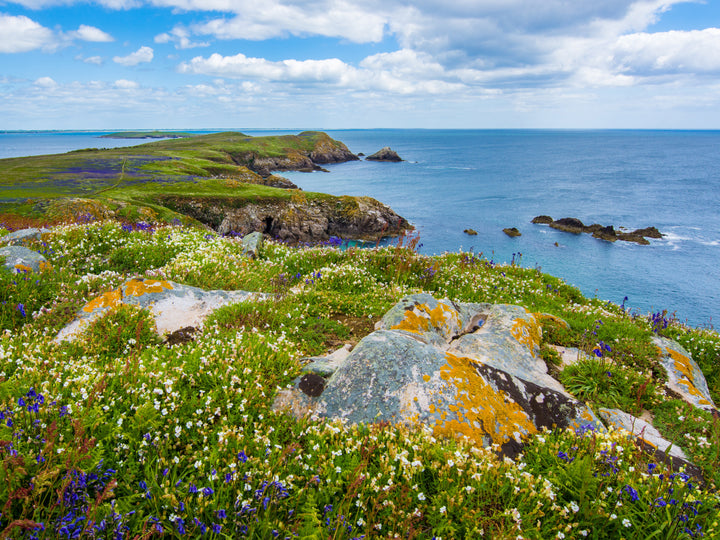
{"x":143,"y":54}
{"x":45,"y":82}
{"x":90,"y":33}
{"x":124,"y":84}
{"x":96,"y":60}
{"x":22,"y":34}
{"x":180,"y":36}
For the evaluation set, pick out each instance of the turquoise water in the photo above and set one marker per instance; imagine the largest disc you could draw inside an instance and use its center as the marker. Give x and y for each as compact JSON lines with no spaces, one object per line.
{"x":490,"y":179}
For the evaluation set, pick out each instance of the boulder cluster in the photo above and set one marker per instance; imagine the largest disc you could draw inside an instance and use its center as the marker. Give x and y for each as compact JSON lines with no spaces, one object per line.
{"x":603,"y":232}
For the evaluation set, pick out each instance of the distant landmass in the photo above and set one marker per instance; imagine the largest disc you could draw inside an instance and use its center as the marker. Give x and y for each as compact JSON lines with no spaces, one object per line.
{"x":147,"y":135}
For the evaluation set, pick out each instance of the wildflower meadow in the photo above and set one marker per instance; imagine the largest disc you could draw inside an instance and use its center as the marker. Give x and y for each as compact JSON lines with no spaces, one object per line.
{"x":122,"y":434}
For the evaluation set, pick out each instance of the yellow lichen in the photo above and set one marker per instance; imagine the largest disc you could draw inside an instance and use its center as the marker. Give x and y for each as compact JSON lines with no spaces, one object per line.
{"x":480,"y":409}
{"x":134,"y":287}
{"x":682,"y":366}
{"x":527,"y":333}
{"x":109,"y":299}
{"x":421,"y":319}
{"x":138,"y":287}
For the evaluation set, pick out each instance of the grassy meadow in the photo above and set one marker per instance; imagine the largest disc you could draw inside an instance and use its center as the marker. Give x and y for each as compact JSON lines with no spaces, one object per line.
{"x":120,"y":434}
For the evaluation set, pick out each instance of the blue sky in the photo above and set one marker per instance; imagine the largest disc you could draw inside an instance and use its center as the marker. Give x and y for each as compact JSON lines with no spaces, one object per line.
{"x":231,"y":64}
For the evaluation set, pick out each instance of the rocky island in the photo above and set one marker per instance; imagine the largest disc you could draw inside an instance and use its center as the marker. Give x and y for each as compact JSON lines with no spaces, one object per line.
{"x":602,"y":232}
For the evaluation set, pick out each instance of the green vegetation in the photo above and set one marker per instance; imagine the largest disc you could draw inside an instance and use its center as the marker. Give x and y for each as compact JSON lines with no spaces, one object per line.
{"x":147,"y":135}
{"x":133,"y":183}
{"x":120,"y":435}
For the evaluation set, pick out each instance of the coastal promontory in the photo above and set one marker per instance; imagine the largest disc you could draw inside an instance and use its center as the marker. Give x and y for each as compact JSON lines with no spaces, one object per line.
{"x":224,"y":181}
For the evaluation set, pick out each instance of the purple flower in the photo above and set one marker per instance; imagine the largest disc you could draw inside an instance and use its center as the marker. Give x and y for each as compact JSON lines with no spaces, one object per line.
{"x":21,"y":309}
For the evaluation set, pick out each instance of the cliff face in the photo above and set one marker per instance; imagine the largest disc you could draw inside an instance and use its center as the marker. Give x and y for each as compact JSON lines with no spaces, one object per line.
{"x":298,"y":220}
{"x":308,"y":151}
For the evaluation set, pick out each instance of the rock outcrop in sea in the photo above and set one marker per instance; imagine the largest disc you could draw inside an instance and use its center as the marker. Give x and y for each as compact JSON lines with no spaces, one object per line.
{"x":384,"y":154}
{"x":602,"y":232}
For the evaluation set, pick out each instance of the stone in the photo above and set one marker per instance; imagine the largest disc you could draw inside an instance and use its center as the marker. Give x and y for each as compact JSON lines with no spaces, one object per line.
{"x":460,"y":369}
{"x":384,"y":154}
{"x":252,"y":244}
{"x":23,"y":236}
{"x":571,"y":225}
{"x":648,"y":232}
{"x":545,"y":220}
{"x":651,"y":440}
{"x":643,"y":430}
{"x":174,"y":306}
{"x":471,"y":232}
{"x":605,"y":233}
{"x":22,"y":259}
{"x":512,"y":232}
{"x":684,"y":375}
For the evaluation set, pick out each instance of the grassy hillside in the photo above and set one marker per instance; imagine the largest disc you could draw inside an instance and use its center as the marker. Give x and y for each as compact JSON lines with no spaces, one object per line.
{"x":132,"y":177}
{"x":121,"y":435}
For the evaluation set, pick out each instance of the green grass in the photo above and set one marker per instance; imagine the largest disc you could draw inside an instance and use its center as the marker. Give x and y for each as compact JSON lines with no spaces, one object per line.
{"x":122,"y":429}
{"x":186,"y":167}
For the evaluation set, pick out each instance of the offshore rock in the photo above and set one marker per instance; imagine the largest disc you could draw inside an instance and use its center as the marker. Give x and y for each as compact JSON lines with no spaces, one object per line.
{"x":174,"y":306}
{"x":603,"y":232}
{"x":470,"y":232}
{"x":571,"y":225}
{"x":512,"y":232}
{"x":384,"y":154}
{"x":21,"y":259}
{"x":461,"y":369}
{"x":546,"y":220}
{"x":684,"y":375}
{"x":298,"y":220}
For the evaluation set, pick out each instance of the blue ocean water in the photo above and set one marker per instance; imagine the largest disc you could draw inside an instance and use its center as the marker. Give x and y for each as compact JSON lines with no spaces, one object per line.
{"x":490,"y":179}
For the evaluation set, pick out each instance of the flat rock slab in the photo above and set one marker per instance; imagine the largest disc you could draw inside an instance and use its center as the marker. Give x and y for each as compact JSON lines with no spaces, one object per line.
{"x":684,"y":375}
{"x":462,"y":369}
{"x":174,"y":306}
{"x":22,"y":236}
{"x":21,"y":259}
{"x":643,"y":430}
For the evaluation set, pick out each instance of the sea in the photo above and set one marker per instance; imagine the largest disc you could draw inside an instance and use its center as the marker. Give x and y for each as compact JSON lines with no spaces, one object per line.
{"x":487,"y":180}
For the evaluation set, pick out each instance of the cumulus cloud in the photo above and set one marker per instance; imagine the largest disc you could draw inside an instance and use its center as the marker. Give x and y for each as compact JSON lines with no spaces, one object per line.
{"x":124,"y":84}
{"x":90,"y":33}
{"x":384,"y":72}
{"x":45,"y":82}
{"x":180,"y":36}
{"x":142,"y":55}
{"x":22,"y":34}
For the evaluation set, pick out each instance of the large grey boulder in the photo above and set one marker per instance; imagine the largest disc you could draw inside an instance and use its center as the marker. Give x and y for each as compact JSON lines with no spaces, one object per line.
{"x":463,"y":369}
{"x":22,"y":236}
{"x":252,"y":244}
{"x":22,"y":259}
{"x":174,"y":306}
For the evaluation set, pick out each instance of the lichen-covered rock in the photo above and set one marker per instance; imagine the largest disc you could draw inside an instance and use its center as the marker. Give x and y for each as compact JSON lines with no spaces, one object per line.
{"x":650,"y":439}
{"x":684,"y":375}
{"x":173,"y":305}
{"x":23,"y":236}
{"x":462,"y":369}
{"x":252,"y":244}
{"x":22,"y":259}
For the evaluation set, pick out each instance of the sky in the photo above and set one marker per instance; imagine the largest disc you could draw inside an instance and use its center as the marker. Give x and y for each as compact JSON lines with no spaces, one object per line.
{"x":339,"y":64}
